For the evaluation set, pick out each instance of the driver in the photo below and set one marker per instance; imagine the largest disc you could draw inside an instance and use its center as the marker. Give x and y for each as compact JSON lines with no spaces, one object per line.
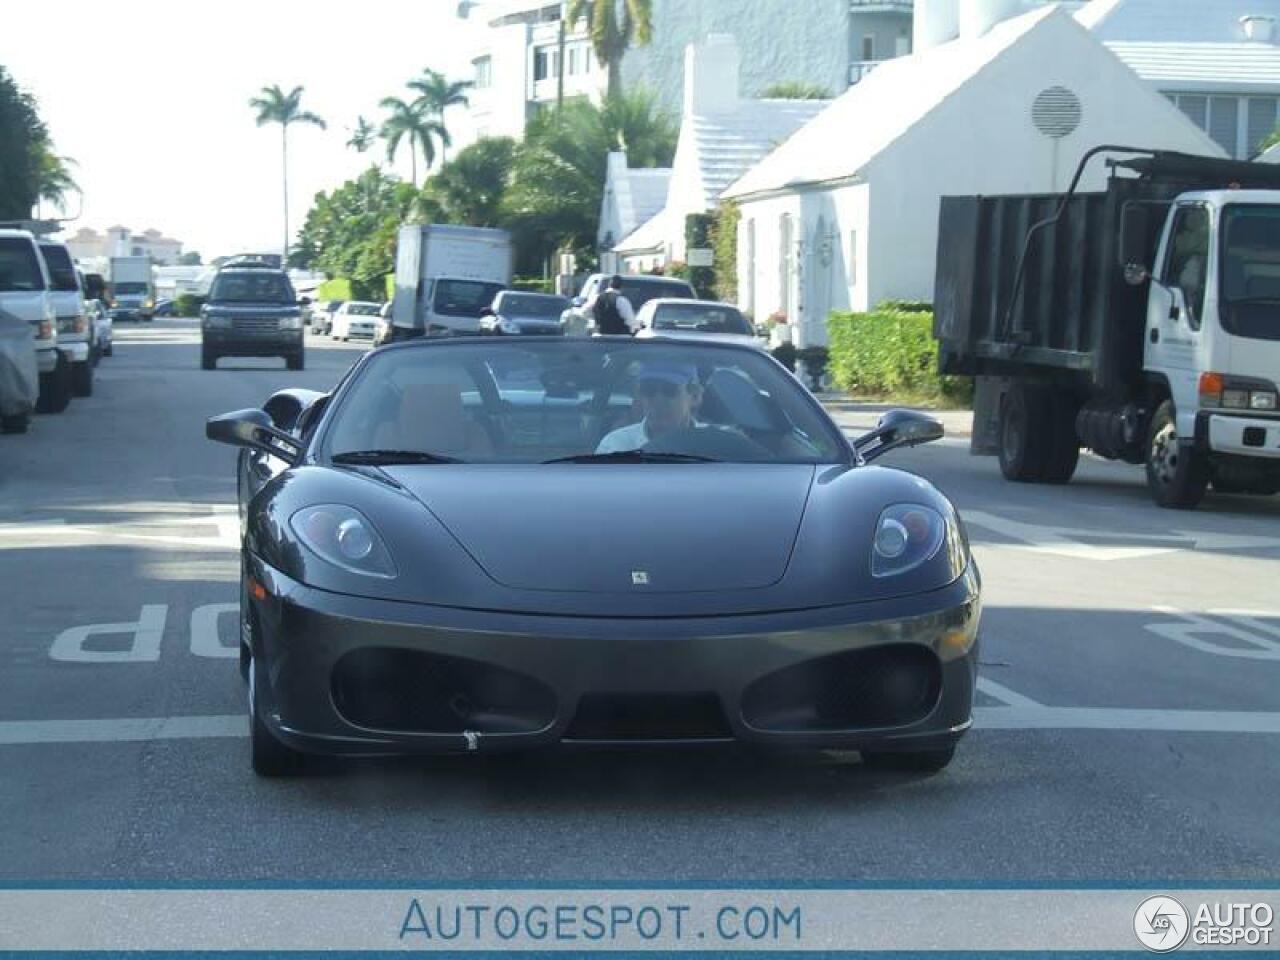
{"x":668,"y":393}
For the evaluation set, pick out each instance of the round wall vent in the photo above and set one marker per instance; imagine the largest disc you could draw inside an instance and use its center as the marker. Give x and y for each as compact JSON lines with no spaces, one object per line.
{"x":1056,"y":112}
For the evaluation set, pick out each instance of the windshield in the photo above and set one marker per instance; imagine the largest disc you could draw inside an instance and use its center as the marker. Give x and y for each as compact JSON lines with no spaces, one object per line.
{"x":129,"y":288}
{"x":1251,"y":271}
{"x":62,"y":272}
{"x":363,"y":309}
{"x":257,"y":286}
{"x":531,"y":305}
{"x":19,"y":269}
{"x":641,"y":292}
{"x":531,"y":403}
{"x":699,"y":318}
{"x":463,"y":298}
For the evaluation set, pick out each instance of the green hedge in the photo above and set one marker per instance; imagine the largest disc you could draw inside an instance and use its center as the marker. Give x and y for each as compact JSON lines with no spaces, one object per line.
{"x":890,"y":351}
{"x":187,"y":305}
{"x":534,"y":284}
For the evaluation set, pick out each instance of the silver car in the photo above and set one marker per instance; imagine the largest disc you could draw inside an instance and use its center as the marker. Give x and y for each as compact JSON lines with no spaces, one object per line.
{"x":696,"y":320}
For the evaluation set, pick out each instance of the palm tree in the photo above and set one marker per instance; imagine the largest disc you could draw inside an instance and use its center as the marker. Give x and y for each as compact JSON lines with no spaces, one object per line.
{"x":412,"y":121}
{"x":276,"y":106}
{"x":438,"y":94}
{"x":362,"y":136}
{"x":54,"y":179}
{"x":613,"y":24}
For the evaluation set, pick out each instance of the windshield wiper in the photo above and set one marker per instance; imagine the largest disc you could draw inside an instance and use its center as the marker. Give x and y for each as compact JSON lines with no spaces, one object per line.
{"x":633,"y":456}
{"x":380,"y":458}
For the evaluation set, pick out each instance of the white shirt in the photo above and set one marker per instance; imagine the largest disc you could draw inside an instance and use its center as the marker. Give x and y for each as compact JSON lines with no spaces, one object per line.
{"x":631,"y":437}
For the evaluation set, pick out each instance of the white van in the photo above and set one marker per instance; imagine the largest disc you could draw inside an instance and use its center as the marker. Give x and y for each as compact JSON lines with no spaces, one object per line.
{"x":33,"y":374}
{"x":75,"y":333}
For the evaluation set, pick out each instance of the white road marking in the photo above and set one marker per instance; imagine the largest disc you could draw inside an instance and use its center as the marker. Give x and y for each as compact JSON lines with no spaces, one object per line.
{"x":205,"y":641}
{"x":1194,"y":632}
{"x":1006,"y":696}
{"x":1069,"y":541}
{"x":224,"y":519}
{"x":146,"y":633}
{"x":140,"y":729}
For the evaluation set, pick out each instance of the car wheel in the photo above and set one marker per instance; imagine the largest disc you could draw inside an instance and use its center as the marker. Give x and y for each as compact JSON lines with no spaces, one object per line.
{"x":295,"y":362}
{"x":269,"y":757}
{"x":109,"y":349}
{"x":15,"y":424}
{"x":914,"y":761}
{"x":1177,"y":475}
{"x":55,"y":389}
{"x":208,"y":361}
{"x":1025,"y":433}
{"x":1064,"y":445}
{"x":82,"y":379}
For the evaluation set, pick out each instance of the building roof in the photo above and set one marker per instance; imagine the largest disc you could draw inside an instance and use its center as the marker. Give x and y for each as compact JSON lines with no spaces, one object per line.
{"x":640,"y":194}
{"x":1173,"y":21}
{"x":864,"y":121}
{"x":1205,"y":65}
{"x":650,"y":237}
{"x":729,"y":144}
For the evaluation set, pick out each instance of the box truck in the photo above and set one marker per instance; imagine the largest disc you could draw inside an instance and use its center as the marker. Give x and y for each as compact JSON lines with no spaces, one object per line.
{"x":1141,"y":322}
{"x":445,"y":277}
{"x":132,"y":288}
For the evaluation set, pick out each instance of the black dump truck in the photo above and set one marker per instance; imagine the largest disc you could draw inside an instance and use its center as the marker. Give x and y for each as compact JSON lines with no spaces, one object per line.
{"x":1141,"y":322}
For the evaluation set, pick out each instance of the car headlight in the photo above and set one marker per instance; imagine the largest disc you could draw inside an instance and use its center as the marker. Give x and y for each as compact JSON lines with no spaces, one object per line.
{"x":148,"y":303}
{"x":508,"y":326}
{"x":216,"y":321}
{"x":291,"y":323}
{"x":907,"y":535}
{"x":344,"y":537}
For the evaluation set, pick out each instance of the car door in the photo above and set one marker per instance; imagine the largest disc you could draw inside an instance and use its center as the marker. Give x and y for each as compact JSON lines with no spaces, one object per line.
{"x":1175,"y":306}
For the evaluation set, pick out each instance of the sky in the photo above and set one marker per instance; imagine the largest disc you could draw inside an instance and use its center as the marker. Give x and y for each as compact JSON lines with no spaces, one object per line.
{"x":150,"y":98}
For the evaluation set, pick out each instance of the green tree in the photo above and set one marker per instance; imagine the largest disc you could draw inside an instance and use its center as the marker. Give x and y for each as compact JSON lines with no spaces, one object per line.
{"x":362,"y":136}
{"x":557,"y":179}
{"x":613,"y":26}
{"x":437,"y":95}
{"x":411,"y":121}
{"x":796,"y":90}
{"x":22,"y":141}
{"x":55,"y":179}
{"x":273,"y":105}
{"x":470,"y":188}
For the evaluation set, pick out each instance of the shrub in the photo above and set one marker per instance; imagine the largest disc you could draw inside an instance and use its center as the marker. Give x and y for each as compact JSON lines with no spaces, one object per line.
{"x":534,"y":284}
{"x":187,"y":305}
{"x":785,"y":354}
{"x":724,"y":243}
{"x":890,"y":351}
{"x":816,"y":360}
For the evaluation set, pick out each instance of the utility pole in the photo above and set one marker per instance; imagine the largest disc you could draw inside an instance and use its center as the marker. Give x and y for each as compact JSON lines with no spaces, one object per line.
{"x":564,"y":9}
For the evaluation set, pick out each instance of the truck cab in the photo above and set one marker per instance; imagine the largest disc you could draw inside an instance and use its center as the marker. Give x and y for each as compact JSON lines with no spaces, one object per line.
{"x":75,"y":331}
{"x":38,"y":373}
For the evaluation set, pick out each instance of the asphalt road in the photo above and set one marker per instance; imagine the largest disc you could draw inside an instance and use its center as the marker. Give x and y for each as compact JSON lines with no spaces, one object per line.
{"x":1128,"y":725}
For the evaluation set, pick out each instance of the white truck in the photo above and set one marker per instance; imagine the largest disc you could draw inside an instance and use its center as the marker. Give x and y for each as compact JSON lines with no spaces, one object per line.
{"x":1141,"y":322}
{"x":131,"y":283}
{"x":446,"y":276}
{"x":34,"y":373}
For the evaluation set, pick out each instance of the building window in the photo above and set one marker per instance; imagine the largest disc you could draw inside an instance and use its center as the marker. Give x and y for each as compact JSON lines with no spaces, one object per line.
{"x":869,"y":47}
{"x":1237,"y":124}
{"x":483,"y":72}
{"x":1262,"y":121}
{"x":544,"y":63}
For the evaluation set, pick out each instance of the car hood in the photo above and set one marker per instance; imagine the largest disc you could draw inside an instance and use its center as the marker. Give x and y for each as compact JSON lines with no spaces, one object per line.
{"x":609,"y":528}
{"x":251,"y":309}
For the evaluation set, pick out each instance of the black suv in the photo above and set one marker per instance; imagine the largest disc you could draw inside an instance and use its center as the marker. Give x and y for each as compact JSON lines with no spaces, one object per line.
{"x":251,"y":312}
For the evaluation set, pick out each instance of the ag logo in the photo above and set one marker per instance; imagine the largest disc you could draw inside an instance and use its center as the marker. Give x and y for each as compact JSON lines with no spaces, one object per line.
{"x":1161,"y":924}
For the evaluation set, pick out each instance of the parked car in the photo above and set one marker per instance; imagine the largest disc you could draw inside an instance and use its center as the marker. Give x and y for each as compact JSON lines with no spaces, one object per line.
{"x":251,"y":312}
{"x":507,"y":579}
{"x":637,"y":288}
{"x":25,"y":294}
{"x":695,"y":320}
{"x":355,"y":318}
{"x":103,"y":327}
{"x":75,"y":334}
{"x":515,"y":312}
{"x":163,"y":308}
{"x":322,"y":315}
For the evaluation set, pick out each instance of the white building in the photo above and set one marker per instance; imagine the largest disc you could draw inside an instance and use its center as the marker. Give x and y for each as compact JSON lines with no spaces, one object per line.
{"x":844,"y":214}
{"x":517,"y":60}
{"x":722,"y":135}
{"x":632,"y":197}
{"x":1217,"y":59}
{"x":120,"y":241}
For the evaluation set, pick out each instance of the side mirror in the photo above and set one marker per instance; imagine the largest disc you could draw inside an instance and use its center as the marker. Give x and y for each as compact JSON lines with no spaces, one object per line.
{"x":1134,"y":252}
{"x":898,"y":428}
{"x":578,"y":301}
{"x":304,"y":301}
{"x":253,"y":428}
{"x":487,"y":312}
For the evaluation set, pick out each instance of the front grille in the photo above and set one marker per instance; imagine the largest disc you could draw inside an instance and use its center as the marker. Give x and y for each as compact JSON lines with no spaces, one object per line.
{"x":255,"y":325}
{"x":649,"y":716}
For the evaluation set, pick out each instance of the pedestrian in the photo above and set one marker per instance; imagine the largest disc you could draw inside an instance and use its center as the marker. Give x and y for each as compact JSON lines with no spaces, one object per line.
{"x":612,"y":311}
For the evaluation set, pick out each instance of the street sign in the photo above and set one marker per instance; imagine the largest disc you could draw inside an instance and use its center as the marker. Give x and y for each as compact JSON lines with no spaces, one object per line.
{"x":701,"y":257}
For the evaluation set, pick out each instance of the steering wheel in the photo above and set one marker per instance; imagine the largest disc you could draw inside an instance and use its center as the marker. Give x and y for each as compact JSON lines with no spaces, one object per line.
{"x":713,"y":442}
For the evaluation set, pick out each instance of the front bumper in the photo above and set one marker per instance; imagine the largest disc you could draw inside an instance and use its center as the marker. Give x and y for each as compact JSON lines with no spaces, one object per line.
{"x":129,"y":313}
{"x":47,"y":358}
{"x":346,"y":675}
{"x":240,"y":343}
{"x":1240,"y":435}
{"x":76,"y":351}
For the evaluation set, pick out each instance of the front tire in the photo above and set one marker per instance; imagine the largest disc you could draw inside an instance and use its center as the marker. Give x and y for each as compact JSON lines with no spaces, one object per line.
{"x":15,"y":424}
{"x":55,"y":389}
{"x":82,"y":378}
{"x":915,"y":761}
{"x":1025,"y":433}
{"x":1177,"y":474}
{"x":208,"y":361}
{"x":268,"y":756}
{"x":295,"y":362}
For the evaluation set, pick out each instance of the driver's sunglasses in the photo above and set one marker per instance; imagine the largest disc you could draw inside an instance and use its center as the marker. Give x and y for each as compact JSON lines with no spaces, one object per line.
{"x":655,"y":388}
